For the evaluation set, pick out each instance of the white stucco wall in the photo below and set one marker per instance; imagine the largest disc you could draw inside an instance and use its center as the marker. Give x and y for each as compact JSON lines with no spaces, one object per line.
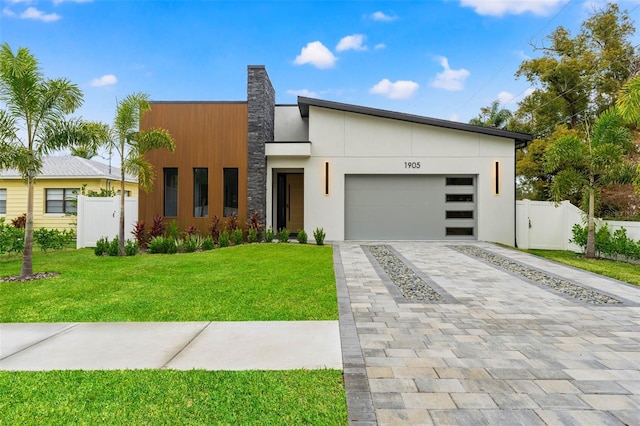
{"x":360,"y":144}
{"x":288,"y":125}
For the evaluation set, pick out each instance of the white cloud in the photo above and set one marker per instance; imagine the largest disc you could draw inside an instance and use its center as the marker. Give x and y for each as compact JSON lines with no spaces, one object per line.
{"x":449,"y":79}
{"x":528,"y":92}
{"x":454,"y":117}
{"x":380,"y":46}
{"x":505,"y":97}
{"x":33,"y":13}
{"x":382,"y":17}
{"x":105,"y":80}
{"x":514,"y":7}
{"x":303,"y":92}
{"x":7,"y":12}
{"x":351,"y":42}
{"x":401,"y":89}
{"x":316,"y":54}
{"x":523,"y":56}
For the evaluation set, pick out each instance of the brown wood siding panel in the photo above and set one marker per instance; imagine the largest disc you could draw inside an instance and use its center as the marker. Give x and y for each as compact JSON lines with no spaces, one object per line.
{"x":211,"y":135}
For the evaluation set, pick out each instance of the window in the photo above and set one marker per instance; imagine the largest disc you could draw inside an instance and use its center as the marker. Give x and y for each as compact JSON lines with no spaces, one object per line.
{"x":171,"y":192}
{"x":459,"y":198}
{"x":3,"y":201}
{"x":459,"y":181}
{"x":127,"y":193}
{"x":200,"y":192}
{"x":230,"y":191}
{"x":459,"y":232}
{"x":462,"y":214}
{"x":61,"y":200}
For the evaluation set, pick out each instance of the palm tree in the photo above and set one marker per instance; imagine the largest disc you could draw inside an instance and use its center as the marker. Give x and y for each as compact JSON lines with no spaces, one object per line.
{"x":628,"y":103}
{"x":131,"y":144}
{"x":492,"y":116}
{"x":86,"y":144}
{"x":38,"y":107}
{"x":588,"y":164}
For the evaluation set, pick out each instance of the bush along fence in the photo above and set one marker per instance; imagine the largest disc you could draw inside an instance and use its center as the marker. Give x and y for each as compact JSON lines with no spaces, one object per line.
{"x":12,"y":238}
{"x":163,"y":238}
{"x":612,"y":245}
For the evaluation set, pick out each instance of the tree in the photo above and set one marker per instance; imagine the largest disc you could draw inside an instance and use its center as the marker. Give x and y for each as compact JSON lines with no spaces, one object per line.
{"x":131,"y":144}
{"x":39,"y":107}
{"x":86,"y":144}
{"x":588,"y":164}
{"x":628,"y":104}
{"x":492,"y":116}
{"x":578,"y":77}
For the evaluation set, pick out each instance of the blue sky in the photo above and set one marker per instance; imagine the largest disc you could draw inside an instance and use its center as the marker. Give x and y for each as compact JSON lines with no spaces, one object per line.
{"x":438,"y":58}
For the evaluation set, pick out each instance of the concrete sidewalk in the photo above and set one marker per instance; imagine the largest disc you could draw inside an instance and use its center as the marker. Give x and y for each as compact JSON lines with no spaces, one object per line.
{"x":265,"y":345}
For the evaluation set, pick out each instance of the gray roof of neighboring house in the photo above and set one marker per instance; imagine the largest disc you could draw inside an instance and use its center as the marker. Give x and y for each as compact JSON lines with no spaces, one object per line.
{"x":521,"y":139}
{"x":72,"y":167}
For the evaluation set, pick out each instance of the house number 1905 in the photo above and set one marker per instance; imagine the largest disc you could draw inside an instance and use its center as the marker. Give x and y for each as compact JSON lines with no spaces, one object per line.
{"x":411,"y":164}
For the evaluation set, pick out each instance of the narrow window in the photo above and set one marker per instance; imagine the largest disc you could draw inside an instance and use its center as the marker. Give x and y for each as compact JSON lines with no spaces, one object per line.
{"x":459,"y":232}
{"x":3,"y":201}
{"x":459,"y":198}
{"x":461,"y":214}
{"x":230,"y":191}
{"x":59,"y":200}
{"x":200,"y":192}
{"x":171,"y":192}
{"x":459,"y":181}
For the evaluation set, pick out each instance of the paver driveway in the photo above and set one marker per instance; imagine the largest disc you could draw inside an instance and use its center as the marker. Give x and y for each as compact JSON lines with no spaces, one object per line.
{"x":499,"y":350}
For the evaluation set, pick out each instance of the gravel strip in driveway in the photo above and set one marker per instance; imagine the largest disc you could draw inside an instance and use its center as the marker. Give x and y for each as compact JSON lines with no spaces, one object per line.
{"x":576,"y":291}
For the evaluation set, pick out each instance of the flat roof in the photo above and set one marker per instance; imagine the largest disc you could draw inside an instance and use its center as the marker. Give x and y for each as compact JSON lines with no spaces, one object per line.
{"x":521,"y":139}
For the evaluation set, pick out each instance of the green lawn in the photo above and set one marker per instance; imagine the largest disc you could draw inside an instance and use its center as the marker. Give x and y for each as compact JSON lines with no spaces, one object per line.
{"x":610,"y":268}
{"x":254,"y":282}
{"x":145,"y":397}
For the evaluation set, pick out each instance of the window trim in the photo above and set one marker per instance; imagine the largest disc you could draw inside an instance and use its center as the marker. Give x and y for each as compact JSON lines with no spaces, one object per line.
{"x":65,"y":199}
{"x":196,"y":187}
{"x":164,"y":191}
{"x":3,"y":201}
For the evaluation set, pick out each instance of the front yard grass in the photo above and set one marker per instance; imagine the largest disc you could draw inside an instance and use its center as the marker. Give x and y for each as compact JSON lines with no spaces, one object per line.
{"x":255,"y":282}
{"x":622,"y":271}
{"x":137,"y":397}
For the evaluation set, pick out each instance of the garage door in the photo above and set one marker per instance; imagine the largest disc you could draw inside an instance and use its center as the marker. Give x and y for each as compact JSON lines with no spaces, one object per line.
{"x":410,"y":207}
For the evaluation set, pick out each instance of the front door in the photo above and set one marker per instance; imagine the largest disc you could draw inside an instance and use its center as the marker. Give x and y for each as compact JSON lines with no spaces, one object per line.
{"x":291,"y":201}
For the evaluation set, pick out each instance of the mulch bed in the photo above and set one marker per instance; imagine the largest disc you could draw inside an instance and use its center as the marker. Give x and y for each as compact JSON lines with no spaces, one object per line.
{"x":32,"y":277}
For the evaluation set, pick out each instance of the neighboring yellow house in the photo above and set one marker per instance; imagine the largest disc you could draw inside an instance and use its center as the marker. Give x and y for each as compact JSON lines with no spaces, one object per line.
{"x":62,"y":178}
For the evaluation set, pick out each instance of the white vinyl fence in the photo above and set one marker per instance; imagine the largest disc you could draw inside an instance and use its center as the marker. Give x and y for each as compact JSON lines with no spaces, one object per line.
{"x":545,"y":225}
{"x":100,"y":217}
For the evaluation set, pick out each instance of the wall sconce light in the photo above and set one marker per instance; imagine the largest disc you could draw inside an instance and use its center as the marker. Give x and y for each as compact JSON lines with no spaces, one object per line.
{"x":496,"y":177}
{"x":326,"y":173}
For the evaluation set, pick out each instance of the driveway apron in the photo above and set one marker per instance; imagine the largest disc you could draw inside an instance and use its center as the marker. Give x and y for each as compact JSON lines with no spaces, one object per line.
{"x":498,"y":346}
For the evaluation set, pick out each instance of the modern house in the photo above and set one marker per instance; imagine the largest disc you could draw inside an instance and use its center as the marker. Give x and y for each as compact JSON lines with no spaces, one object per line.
{"x":360,"y":173}
{"x":56,"y":189}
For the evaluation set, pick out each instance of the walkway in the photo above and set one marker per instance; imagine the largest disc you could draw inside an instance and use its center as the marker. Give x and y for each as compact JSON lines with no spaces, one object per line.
{"x":275,"y":345}
{"x":498,"y":349}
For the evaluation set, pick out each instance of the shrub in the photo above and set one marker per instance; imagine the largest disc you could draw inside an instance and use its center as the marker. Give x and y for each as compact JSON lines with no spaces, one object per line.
{"x":131,"y":247}
{"x":302,"y":236}
{"x":192,"y":243}
{"x":254,"y":222}
{"x":318,"y":235}
{"x":269,"y":235}
{"x":208,"y":244}
{"x":232,"y":221}
{"x":579,"y":236}
{"x":102,"y":245}
{"x":283,"y":235}
{"x":174,"y":230}
{"x":157,"y":245}
{"x":618,"y":245}
{"x":191,"y":230}
{"x":140,"y":233}
{"x":157,"y":227}
{"x":53,"y":239}
{"x":237,"y":237}
{"x":178,"y":244}
{"x":223,"y":240}
{"x":215,"y":228}
{"x":20,"y":222}
{"x":114,"y":247}
{"x":252,"y":235}
{"x":11,"y":238}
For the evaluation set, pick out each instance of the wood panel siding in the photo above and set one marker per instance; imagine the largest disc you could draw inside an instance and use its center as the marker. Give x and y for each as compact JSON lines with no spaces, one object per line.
{"x":212,"y":135}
